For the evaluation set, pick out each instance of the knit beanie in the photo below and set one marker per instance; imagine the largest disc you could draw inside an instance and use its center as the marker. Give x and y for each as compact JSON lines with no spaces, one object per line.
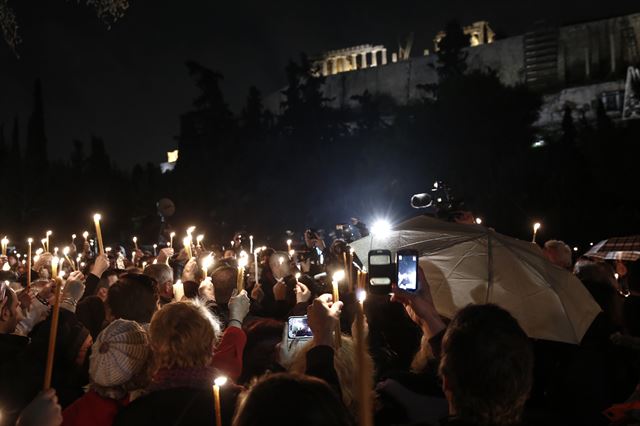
{"x":120,"y":352}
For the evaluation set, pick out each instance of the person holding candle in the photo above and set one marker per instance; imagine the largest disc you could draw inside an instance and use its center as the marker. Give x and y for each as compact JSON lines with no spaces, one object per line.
{"x":117,"y":366}
{"x":182,"y":338}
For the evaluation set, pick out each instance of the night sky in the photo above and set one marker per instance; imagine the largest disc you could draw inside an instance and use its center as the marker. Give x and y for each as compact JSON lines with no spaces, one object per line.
{"x":129,"y":84}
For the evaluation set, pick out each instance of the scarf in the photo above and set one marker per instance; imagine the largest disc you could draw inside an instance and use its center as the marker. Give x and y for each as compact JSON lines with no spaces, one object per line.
{"x":191,"y":377}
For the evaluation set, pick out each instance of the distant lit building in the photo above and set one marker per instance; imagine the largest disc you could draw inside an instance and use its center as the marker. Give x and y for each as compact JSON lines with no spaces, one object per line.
{"x":170,"y":164}
{"x":577,"y":65}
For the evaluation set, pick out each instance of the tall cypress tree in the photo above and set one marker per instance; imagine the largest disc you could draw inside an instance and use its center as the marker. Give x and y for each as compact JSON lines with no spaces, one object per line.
{"x":36,"y":137}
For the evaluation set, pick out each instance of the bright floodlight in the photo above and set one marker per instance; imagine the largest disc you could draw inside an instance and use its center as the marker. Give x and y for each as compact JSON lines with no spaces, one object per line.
{"x":220,"y":381}
{"x":381,"y":228}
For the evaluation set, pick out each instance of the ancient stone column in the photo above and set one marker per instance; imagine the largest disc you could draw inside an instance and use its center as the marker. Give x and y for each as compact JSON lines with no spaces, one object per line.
{"x":384,"y":56}
{"x":374,"y":58}
{"x":334,"y":65}
{"x":325,"y":68}
{"x":394,"y":57}
{"x":354,"y":61}
{"x":364,"y":60}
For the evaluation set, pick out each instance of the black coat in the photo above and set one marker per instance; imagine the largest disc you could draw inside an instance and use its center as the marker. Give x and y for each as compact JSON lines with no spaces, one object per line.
{"x":179,"y":407}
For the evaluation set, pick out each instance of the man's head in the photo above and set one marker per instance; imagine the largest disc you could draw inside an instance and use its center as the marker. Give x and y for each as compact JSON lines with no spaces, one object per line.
{"x":163,"y":274}
{"x":224,"y":281}
{"x":133,"y":297}
{"x":558,"y":253}
{"x":10,"y":313}
{"x":486,"y":366}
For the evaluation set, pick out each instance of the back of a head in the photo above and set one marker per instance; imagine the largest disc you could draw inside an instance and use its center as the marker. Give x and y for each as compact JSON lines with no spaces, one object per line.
{"x":599,"y":280}
{"x":119,"y":354}
{"x":183,"y":335}
{"x":161,"y":272}
{"x":487,"y":366}
{"x":558,"y":253}
{"x":291,"y":399}
{"x":224,"y":281}
{"x":133,"y":297}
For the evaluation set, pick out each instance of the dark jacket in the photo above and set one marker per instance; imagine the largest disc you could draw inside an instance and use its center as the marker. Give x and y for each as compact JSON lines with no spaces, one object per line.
{"x":178,"y":406}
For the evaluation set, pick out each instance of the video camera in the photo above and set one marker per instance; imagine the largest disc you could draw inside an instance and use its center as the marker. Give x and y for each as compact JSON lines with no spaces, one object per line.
{"x":441,"y":201}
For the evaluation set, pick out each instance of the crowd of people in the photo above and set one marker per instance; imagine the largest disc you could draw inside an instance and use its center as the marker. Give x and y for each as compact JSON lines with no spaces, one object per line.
{"x":142,"y":337}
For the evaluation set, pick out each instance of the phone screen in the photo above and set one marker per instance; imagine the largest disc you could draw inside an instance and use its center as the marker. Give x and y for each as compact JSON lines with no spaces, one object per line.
{"x":298,"y":328}
{"x":408,"y":272}
{"x":379,"y":259}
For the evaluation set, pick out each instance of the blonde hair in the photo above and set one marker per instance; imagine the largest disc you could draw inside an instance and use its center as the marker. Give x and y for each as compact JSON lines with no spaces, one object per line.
{"x":182,"y":335}
{"x":344,"y":361}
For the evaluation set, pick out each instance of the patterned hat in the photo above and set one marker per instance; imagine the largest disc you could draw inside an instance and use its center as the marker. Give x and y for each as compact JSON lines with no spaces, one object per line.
{"x":119,"y":353}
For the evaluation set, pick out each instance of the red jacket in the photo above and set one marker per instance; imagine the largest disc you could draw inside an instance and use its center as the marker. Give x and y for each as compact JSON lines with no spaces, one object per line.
{"x":92,"y":409}
{"x":227,"y":357}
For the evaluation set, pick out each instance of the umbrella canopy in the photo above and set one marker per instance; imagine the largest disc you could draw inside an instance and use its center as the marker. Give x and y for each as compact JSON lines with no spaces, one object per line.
{"x":618,"y":248}
{"x":471,"y":264}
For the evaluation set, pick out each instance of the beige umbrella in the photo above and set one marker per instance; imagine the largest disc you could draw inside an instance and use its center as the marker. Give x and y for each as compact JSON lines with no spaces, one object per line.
{"x":471,"y":264}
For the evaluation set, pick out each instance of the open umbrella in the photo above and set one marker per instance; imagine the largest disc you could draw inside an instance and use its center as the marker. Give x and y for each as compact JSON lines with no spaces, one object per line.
{"x":470,"y":264}
{"x":617,"y":248}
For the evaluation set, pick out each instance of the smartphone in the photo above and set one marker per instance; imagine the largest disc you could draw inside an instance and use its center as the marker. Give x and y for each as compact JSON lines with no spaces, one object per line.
{"x":407,"y":263}
{"x":381,"y":271}
{"x":298,"y":328}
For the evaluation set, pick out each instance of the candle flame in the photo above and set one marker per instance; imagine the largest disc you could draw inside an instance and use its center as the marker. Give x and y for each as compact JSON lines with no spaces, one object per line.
{"x":242,"y":262}
{"x":338,"y":276}
{"x":61,"y":273}
{"x":199,"y":238}
{"x":39,"y":251}
{"x":30,"y":240}
{"x":173,"y":234}
{"x":49,"y":233}
{"x":361,"y":295}
{"x":207,"y":261}
{"x":65,"y":251}
{"x":536,"y":226}
{"x":135,"y":240}
{"x":220,"y":381}
{"x":298,"y":276}
{"x":190,"y":230}
{"x":55,"y":260}
{"x":85,"y":234}
{"x":97,"y":217}
{"x":73,"y":236}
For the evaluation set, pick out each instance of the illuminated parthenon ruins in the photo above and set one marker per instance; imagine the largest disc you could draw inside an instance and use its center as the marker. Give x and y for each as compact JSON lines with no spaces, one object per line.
{"x":351,"y":58}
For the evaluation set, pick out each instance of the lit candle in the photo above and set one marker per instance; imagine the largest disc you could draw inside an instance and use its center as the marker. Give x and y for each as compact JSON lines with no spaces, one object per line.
{"x":48,"y":241}
{"x":96,"y":221}
{"x":155,"y":249}
{"x":199,"y":239}
{"x":44,"y":244}
{"x":135,"y":243}
{"x":242,"y":262}
{"x":171,"y":235}
{"x":65,"y":251}
{"x":289,"y":245}
{"x":255,"y":262}
{"x":206,"y":263}
{"x":5,"y":243}
{"x":144,"y":265}
{"x":190,"y":230}
{"x":55,"y":314}
{"x":85,"y":235}
{"x":29,"y":241}
{"x":337,"y":276}
{"x":220,"y":381}
{"x":73,"y":239}
{"x":186,"y":241}
{"x":250,"y":243}
{"x":536,"y":226}
{"x":363,"y":373}
{"x":55,"y":260}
